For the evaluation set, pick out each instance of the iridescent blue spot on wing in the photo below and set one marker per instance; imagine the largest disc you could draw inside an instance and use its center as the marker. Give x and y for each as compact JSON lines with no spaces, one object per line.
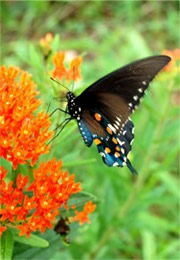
{"x":85,"y":133}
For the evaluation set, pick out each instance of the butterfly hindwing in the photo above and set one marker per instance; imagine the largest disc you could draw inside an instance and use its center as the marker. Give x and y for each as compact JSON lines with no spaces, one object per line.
{"x":113,"y":146}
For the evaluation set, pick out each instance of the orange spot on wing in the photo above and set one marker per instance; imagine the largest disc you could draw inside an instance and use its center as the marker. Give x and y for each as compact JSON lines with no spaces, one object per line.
{"x":107,"y":150}
{"x":114,"y":140}
{"x":97,"y":116}
{"x":109,"y":130}
{"x":97,"y":141}
{"x":118,"y":149}
{"x":117,"y":154}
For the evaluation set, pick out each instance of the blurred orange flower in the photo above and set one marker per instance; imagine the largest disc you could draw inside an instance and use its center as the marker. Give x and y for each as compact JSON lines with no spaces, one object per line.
{"x":60,"y":71}
{"x":23,"y":135}
{"x":45,"y":43}
{"x":174,"y":55}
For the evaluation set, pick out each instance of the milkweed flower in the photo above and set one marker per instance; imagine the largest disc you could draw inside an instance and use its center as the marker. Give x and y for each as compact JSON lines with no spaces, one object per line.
{"x":23,"y":135}
{"x":82,"y":216}
{"x":61,"y":72}
{"x":24,"y":205}
{"x":34,"y":207}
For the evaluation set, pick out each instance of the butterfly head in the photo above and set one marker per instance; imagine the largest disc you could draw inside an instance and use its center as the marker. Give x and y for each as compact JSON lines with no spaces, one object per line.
{"x":70,"y":96}
{"x":73,"y":109}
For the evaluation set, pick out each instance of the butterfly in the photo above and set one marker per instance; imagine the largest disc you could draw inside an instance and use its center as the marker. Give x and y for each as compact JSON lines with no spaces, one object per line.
{"x":103,"y":110}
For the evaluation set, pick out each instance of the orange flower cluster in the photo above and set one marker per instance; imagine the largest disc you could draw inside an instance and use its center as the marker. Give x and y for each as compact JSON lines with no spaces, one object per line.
{"x":60,"y":71}
{"x":23,"y":135}
{"x":175,"y":56}
{"x":51,"y":189}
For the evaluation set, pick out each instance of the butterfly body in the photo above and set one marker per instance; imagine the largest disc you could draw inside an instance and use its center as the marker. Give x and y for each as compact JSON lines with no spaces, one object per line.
{"x":103,"y":110}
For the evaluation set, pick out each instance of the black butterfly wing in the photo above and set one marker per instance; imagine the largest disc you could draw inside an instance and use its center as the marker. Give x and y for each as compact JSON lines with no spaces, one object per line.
{"x":130,"y":81}
{"x":113,"y":98}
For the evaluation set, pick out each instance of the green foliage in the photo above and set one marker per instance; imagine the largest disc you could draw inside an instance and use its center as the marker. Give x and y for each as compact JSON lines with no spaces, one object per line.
{"x":33,"y":240}
{"x":6,"y":245}
{"x":137,"y":216}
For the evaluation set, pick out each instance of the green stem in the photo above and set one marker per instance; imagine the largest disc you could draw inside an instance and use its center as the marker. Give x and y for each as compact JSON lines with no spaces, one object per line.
{"x":137,"y":187}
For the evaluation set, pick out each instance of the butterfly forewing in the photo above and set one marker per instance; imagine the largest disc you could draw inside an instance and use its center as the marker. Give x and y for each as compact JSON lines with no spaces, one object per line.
{"x":131,"y":81}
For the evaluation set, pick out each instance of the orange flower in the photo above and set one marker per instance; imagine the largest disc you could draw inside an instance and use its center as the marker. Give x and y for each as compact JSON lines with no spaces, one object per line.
{"x":23,"y":136}
{"x":74,"y":71}
{"x":58,"y":61}
{"x":82,"y":216}
{"x":45,"y":43}
{"x":46,"y":40}
{"x":51,"y":189}
{"x":174,"y":55}
{"x":60,"y":70}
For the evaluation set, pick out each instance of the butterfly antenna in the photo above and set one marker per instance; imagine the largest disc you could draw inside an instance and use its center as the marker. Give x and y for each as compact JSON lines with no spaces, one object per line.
{"x":59,"y":83}
{"x":62,"y":125}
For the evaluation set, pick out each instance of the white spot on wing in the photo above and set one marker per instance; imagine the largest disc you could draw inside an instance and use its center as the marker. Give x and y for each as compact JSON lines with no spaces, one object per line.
{"x":122,"y":150}
{"x":144,"y":82}
{"x":140,"y":90}
{"x":124,"y":132}
{"x":115,"y":164}
{"x":121,"y":143}
{"x":117,"y":127}
{"x":102,"y":154}
{"x":135,"y":98}
{"x":117,"y":123}
{"x":112,"y":128}
{"x":131,"y":141}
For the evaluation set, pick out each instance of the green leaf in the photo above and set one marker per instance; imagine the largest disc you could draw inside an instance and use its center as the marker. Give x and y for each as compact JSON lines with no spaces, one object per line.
{"x":33,"y":240}
{"x":56,"y":43}
{"x":170,"y":182}
{"x":148,"y":242}
{"x":6,"y":245}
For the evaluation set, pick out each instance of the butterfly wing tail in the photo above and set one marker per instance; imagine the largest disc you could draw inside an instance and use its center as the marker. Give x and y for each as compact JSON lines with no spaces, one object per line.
{"x":131,"y":168}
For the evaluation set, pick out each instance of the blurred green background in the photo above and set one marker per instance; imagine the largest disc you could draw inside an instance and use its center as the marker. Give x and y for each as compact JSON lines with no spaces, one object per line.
{"x":136,"y":217}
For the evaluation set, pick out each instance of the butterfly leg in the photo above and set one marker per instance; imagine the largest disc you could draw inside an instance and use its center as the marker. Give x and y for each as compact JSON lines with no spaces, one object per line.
{"x":62,"y":125}
{"x":64,"y":111}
